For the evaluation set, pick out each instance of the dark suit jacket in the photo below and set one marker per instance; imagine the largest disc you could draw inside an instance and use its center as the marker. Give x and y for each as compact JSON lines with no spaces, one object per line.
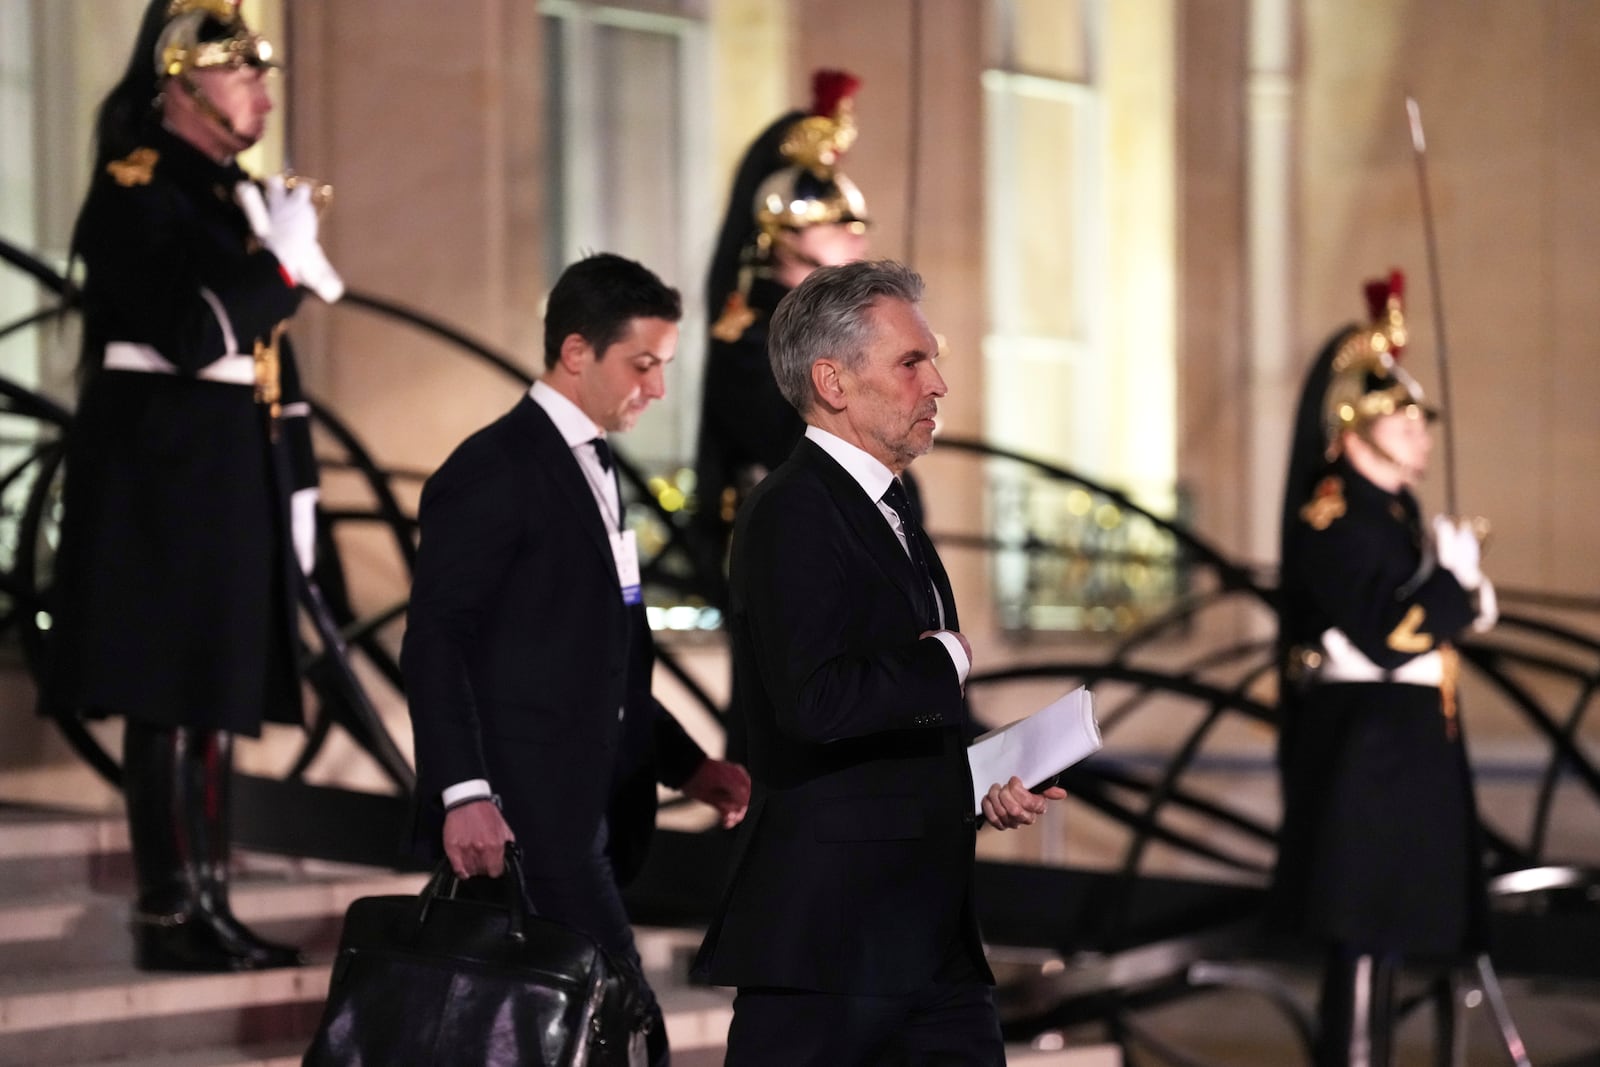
{"x":856,"y":860}
{"x":519,"y":652}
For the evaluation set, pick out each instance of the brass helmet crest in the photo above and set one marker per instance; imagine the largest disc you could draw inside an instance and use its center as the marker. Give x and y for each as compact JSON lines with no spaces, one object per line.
{"x":1366,"y":380}
{"x":208,"y":34}
{"x":811,"y":190}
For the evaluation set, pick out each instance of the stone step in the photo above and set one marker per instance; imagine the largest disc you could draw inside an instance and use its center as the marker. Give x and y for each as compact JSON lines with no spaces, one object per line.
{"x":273,"y":1054}
{"x":82,"y":926}
{"x":289,"y":1054}
{"x":44,"y":851}
{"x":69,"y":993}
{"x":88,"y":1015}
{"x":101,"y":1016}
{"x":93,"y":1016}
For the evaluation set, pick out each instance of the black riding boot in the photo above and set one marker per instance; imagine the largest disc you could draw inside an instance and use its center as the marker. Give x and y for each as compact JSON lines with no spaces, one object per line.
{"x":176,"y":783}
{"x":214,"y":753}
{"x":1357,"y":1010}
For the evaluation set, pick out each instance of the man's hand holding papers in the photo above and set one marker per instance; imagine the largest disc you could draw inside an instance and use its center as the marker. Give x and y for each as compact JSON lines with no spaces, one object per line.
{"x":1007,"y":763}
{"x":1006,"y":807}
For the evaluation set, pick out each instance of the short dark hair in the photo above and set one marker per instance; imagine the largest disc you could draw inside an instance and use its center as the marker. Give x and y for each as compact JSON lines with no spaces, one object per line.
{"x":826,"y":316}
{"x":597,"y":297}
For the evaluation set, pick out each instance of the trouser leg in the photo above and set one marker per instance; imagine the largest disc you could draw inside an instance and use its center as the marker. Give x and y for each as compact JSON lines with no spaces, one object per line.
{"x":588,"y":899}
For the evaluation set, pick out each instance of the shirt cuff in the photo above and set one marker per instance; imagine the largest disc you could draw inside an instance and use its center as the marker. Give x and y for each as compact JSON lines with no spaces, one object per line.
{"x":958,"y":655}
{"x":471,"y":789}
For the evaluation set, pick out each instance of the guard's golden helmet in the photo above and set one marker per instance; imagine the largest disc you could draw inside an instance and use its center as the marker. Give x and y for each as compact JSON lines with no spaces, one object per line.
{"x":208,"y":34}
{"x":811,"y":190}
{"x":1365,"y":379}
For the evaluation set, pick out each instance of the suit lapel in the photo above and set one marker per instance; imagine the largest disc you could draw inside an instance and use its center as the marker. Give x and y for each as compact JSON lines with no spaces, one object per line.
{"x":554,"y":458}
{"x":868,"y":522}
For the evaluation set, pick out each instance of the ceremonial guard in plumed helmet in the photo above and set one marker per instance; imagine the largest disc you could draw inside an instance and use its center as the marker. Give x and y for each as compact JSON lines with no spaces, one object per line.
{"x":791,"y":210}
{"x":1379,"y":859}
{"x":190,"y":492}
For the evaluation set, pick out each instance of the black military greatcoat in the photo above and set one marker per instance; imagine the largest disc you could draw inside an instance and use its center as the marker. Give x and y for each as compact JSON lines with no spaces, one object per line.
{"x":1379,"y":844}
{"x":745,"y":421}
{"x":173,"y":596}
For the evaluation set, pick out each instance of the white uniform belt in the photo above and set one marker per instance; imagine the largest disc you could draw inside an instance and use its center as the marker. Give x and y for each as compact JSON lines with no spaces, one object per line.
{"x":1342,"y":661}
{"x":234,"y":368}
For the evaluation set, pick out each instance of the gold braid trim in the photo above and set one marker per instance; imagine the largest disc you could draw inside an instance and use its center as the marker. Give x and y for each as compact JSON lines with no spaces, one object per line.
{"x":1451,"y":661}
{"x":269,"y":386}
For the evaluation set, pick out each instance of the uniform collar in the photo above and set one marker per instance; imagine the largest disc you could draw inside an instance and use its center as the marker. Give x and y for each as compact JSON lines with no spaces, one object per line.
{"x":185,"y":163}
{"x":1358,"y":486}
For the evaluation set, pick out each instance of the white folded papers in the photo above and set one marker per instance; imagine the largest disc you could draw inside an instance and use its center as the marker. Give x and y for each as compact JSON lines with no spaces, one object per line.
{"x":1033,"y":749}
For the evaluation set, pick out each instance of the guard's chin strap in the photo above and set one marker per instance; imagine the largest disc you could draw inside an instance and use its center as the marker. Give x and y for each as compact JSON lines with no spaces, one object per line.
{"x":212,"y":112}
{"x":1412,"y":475}
{"x":805,"y":259}
{"x":802,"y":258}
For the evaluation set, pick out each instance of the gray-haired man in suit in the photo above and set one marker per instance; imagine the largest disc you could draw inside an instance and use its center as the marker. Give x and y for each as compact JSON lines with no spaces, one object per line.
{"x":849,"y":926}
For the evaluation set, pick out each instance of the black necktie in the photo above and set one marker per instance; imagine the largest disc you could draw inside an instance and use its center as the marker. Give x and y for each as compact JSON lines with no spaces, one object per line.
{"x":602,"y":452}
{"x":895,"y":497}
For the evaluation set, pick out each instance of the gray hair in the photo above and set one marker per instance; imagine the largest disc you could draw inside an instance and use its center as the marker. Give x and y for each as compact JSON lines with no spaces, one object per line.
{"x":825,"y":316}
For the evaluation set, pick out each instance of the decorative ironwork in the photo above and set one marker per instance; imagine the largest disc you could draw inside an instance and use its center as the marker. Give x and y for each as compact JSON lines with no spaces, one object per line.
{"x":1065,"y":552}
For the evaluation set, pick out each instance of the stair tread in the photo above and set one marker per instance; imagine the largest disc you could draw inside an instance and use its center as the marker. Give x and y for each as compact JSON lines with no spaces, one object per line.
{"x":35,"y":834}
{"x":90,"y":998}
{"x":289,"y":1054}
{"x":258,"y":888}
{"x":104,"y":992}
{"x":102,"y":995}
{"x":265,"y":889}
{"x":274,"y":1054}
{"x":80,"y":913}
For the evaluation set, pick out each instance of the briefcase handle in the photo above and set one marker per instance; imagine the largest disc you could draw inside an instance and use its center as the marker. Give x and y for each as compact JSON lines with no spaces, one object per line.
{"x":444,"y":884}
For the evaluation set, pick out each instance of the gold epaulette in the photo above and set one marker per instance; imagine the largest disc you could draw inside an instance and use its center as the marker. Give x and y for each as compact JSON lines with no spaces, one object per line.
{"x":1326,"y":504}
{"x":736,"y":318}
{"x":135,"y":169}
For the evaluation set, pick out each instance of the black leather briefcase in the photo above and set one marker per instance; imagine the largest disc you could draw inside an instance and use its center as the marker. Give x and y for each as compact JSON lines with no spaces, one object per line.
{"x":435,"y":981}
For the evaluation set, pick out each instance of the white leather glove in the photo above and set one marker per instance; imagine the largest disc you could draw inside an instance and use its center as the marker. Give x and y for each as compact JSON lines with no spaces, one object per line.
{"x":303,"y":527}
{"x":286,"y":222}
{"x":1458,"y":551}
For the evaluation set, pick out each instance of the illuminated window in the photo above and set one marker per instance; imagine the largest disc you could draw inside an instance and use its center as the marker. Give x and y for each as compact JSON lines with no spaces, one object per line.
{"x":1079,"y":352}
{"x":628,"y":131}
{"x":1046,"y":229}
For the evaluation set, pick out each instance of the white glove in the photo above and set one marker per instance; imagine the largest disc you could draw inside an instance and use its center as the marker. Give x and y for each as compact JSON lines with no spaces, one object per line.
{"x":289,"y":231}
{"x":303,"y":527}
{"x":1457,"y":549}
{"x":1488,"y":608}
